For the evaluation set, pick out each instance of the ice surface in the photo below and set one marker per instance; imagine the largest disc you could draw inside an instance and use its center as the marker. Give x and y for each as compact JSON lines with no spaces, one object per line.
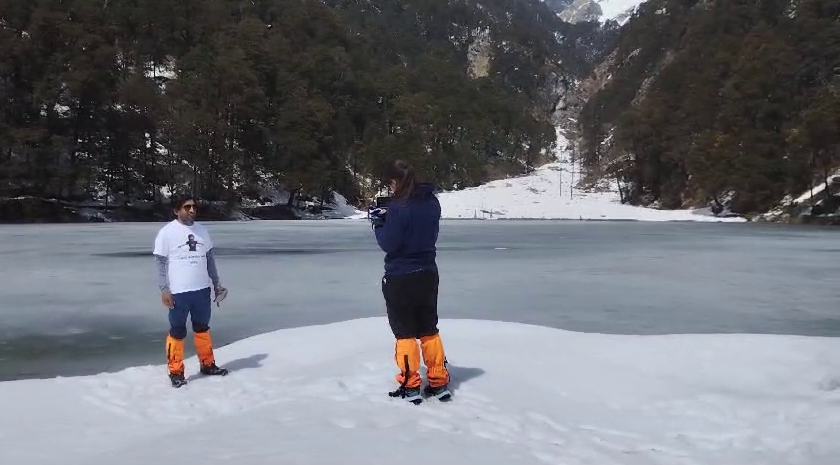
{"x":522,"y":394}
{"x":81,"y":299}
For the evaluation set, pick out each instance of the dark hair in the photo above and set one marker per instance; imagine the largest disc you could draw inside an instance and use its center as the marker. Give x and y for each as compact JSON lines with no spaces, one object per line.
{"x":178,"y":201}
{"x":403,"y":174}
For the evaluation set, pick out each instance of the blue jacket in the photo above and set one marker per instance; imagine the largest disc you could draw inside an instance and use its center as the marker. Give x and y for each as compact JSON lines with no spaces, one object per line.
{"x":410,"y":233}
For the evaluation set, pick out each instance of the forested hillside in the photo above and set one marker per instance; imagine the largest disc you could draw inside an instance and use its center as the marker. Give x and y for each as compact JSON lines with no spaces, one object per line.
{"x":729,"y":101}
{"x":122,"y":102}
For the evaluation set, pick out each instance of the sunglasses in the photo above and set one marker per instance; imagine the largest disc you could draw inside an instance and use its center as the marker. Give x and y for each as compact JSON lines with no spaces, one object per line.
{"x":189,"y":206}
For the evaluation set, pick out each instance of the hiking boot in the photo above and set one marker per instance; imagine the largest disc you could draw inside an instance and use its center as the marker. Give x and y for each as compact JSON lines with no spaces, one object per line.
{"x":177,"y":379}
{"x":410,"y":394}
{"x":213,"y":370}
{"x":440,"y":393}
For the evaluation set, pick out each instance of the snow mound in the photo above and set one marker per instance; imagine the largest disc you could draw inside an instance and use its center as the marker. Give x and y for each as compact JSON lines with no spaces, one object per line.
{"x":339,"y":208}
{"x":522,"y":394}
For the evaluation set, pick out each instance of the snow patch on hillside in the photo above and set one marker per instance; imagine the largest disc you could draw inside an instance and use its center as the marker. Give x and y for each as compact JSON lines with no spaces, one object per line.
{"x":551,"y":192}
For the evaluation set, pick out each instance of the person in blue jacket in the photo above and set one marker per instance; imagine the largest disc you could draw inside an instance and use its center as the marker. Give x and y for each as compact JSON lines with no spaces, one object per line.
{"x":408,"y":236}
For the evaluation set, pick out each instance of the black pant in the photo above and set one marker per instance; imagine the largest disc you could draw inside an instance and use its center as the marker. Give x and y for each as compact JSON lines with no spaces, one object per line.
{"x":411,"y":301}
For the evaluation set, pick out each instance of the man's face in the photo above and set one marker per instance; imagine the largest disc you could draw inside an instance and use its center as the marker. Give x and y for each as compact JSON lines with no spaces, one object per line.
{"x":187,"y":212}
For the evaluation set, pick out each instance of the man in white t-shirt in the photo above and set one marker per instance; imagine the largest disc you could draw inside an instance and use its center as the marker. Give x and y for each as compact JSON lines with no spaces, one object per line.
{"x":186,"y":271}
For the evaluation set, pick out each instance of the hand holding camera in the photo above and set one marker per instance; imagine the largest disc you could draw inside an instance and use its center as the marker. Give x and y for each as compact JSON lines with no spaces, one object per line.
{"x":378,"y":212}
{"x":377,"y":215}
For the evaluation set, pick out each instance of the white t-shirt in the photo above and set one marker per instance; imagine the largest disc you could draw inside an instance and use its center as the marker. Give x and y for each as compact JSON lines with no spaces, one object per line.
{"x":186,"y":248}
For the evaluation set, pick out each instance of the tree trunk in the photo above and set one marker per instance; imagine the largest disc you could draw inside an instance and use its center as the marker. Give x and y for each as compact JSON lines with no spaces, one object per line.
{"x":291,"y":197}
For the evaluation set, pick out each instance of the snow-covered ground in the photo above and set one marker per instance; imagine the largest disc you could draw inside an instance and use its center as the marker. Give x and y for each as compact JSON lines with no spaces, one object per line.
{"x":550,"y":193}
{"x":522,"y":394}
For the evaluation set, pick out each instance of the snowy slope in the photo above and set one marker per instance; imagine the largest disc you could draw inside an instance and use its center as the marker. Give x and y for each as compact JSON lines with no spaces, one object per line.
{"x":522,"y":395}
{"x":614,"y":9}
{"x":817,"y":192}
{"x":601,"y":10}
{"x":550,"y":193}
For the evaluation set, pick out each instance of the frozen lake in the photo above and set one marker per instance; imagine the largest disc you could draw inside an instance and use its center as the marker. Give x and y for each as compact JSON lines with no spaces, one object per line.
{"x":81,"y":299}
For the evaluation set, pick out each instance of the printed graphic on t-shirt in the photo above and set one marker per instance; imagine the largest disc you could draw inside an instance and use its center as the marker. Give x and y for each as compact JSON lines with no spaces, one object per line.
{"x":191,"y":245}
{"x":191,"y":242}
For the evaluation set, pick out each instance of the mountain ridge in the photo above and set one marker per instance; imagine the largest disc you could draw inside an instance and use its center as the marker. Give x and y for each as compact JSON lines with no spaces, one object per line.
{"x":704,"y":103}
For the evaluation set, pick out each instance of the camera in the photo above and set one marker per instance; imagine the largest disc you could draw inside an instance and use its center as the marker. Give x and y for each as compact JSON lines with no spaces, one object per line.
{"x":378,"y":211}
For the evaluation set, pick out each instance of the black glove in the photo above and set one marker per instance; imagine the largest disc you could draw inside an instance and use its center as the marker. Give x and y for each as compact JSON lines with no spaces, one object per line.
{"x":377,"y":216}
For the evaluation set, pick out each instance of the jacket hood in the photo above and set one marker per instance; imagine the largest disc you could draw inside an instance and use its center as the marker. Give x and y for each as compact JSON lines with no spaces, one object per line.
{"x":424,"y":189}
